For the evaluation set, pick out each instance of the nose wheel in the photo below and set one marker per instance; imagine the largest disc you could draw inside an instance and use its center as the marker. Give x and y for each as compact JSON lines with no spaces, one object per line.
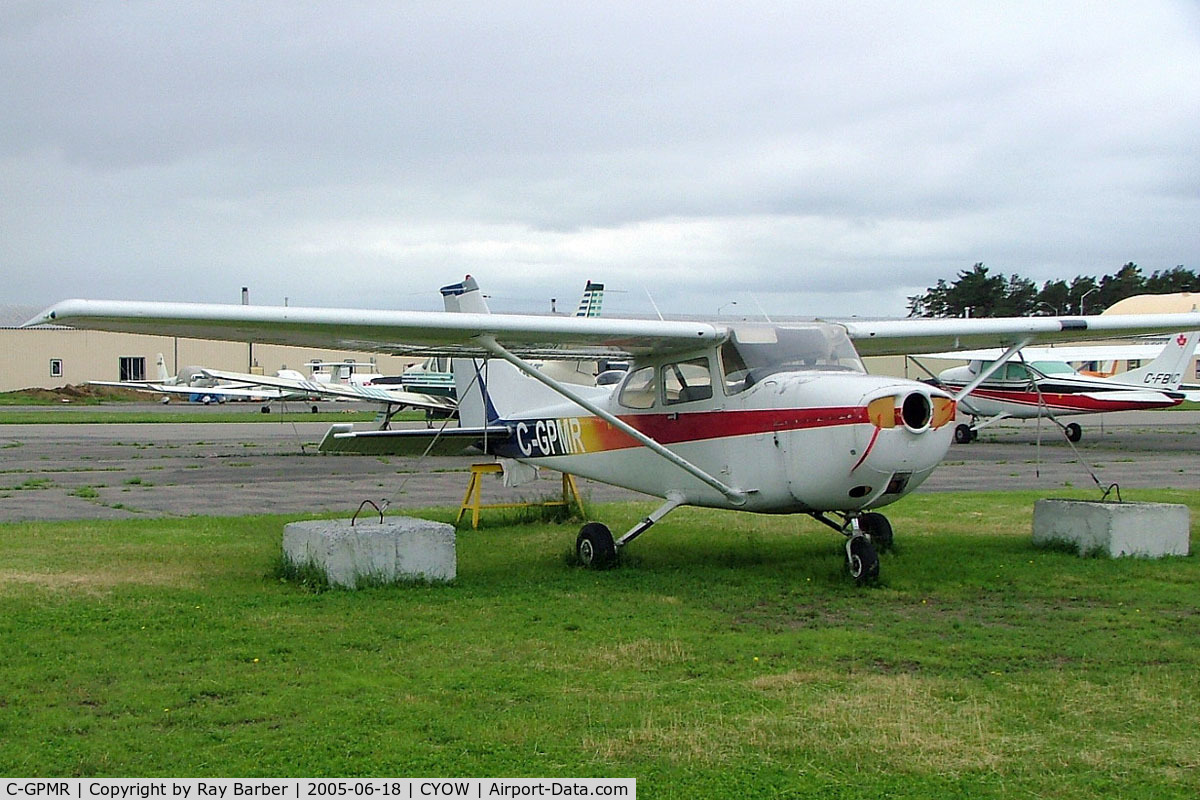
{"x":866,"y":535}
{"x":862,"y":559}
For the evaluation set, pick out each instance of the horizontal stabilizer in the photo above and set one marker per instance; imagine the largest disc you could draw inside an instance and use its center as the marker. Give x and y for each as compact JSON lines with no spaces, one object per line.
{"x":342,"y":438}
{"x":1150,"y":398}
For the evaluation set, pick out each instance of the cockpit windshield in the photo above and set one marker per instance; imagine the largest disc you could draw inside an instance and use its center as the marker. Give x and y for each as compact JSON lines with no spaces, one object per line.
{"x":753,"y":352}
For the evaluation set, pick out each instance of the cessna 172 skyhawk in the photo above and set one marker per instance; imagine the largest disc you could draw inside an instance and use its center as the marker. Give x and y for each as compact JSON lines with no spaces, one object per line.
{"x":765,"y":418}
{"x":1026,"y":390}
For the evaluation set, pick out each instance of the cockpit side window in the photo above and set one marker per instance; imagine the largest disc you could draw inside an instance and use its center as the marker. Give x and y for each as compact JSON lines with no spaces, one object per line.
{"x":686,"y":381}
{"x":639,"y":389}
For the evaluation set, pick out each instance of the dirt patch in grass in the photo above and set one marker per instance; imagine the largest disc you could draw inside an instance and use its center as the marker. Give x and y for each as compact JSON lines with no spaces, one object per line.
{"x":100,"y":580}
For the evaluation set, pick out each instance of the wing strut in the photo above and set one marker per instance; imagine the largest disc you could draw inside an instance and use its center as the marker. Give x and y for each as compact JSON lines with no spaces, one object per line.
{"x":995,"y":365}
{"x":735,"y":496}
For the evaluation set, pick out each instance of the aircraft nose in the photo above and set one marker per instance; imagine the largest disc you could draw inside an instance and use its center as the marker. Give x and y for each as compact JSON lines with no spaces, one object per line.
{"x":915,"y":409}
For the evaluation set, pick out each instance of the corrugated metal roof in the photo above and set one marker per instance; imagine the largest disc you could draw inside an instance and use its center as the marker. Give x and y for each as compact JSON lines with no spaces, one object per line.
{"x":14,"y":316}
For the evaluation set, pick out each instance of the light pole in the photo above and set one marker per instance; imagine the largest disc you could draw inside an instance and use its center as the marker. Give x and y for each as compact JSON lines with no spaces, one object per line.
{"x":730,"y":303}
{"x":1047,"y":305}
{"x":1085,"y":294}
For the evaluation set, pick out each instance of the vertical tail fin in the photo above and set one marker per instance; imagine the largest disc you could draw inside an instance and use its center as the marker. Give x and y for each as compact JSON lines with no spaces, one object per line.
{"x":491,"y":390}
{"x":1168,"y":369}
{"x":465,"y":297}
{"x":589,"y":304}
{"x":161,"y":362}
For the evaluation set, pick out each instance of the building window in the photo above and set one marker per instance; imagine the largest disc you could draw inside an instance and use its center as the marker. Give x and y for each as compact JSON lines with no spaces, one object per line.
{"x":56,"y":370}
{"x":132,"y":368}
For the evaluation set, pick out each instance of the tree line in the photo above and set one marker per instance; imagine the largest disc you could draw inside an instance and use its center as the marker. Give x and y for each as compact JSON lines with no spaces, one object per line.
{"x":977,"y":293}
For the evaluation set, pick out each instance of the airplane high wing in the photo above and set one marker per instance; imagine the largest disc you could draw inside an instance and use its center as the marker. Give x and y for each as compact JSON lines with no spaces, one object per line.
{"x":408,"y":332}
{"x":1065,"y":354}
{"x":769,"y":418}
{"x":393,"y":332}
{"x":905,"y":336}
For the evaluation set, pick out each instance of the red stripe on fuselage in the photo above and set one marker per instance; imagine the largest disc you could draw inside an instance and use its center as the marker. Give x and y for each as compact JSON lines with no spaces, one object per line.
{"x":1069,"y":402}
{"x":702,"y":425}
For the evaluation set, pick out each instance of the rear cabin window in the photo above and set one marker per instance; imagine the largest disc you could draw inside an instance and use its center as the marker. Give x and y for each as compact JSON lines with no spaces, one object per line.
{"x":686,"y":381}
{"x":639,"y":389}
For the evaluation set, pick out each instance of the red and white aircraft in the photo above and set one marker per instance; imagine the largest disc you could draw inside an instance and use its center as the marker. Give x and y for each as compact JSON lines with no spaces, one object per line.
{"x":775,"y":419}
{"x":1022,"y":389}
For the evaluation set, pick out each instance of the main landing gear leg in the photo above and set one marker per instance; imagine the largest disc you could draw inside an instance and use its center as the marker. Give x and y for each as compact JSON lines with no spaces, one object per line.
{"x":595,"y":546}
{"x":864,"y":533}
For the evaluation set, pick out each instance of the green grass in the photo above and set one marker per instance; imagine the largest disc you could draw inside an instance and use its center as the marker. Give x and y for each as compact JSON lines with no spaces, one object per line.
{"x":77,"y":395}
{"x":728,"y":656}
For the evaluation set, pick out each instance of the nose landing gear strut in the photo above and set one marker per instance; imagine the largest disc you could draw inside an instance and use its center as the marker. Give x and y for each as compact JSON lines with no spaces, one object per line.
{"x":866,"y":534}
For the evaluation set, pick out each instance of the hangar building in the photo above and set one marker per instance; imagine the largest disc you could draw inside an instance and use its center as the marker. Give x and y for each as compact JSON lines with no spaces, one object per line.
{"x":47,"y":357}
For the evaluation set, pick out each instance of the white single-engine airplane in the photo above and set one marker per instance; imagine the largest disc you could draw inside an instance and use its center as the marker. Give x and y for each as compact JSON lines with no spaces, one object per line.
{"x":773,"y":419}
{"x":390,"y":400}
{"x":1052,"y":388}
{"x":197,"y":385}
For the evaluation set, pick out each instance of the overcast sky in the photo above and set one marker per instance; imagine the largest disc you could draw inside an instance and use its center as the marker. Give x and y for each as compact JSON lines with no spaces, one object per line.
{"x":809,"y":158}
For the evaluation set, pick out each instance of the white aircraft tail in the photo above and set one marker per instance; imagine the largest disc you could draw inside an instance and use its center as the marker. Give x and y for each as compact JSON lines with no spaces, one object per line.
{"x":492,"y":390}
{"x":465,"y":297}
{"x":1168,"y":370}
{"x":161,"y":363}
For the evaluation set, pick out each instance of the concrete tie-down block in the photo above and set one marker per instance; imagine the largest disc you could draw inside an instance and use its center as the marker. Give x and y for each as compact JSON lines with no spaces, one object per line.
{"x":397,"y":549}
{"x":1150,"y":530}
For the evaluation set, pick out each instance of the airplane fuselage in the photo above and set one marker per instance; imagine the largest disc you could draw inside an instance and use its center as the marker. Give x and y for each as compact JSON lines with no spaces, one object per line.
{"x":793,"y":442}
{"x":1027,"y":398}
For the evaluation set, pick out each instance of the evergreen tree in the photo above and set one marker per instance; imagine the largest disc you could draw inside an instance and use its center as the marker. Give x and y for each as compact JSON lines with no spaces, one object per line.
{"x":975,"y":293}
{"x":1052,"y":300}
{"x":1126,"y":283}
{"x":1020,"y":298}
{"x":1170,"y":281}
{"x":980,"y":294}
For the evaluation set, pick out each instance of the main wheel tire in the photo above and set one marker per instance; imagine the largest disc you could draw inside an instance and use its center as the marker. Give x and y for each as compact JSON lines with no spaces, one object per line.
{"x":1074,"y":432}
{"x":595,"y":547}
{"x":878,"y":528}
{"x":962,"y":434}
{"x":863,"y":561}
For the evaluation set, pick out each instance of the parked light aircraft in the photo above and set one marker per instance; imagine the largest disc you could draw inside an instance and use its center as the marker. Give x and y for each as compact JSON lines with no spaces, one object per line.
{"x":390,"y":399}
{"x":767,"y":418}
{"x":196,"y":385}
{"x":1030,"y":389}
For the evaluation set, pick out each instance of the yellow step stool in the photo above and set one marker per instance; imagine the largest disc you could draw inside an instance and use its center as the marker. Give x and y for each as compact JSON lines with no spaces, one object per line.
{"x":472,"y":500}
